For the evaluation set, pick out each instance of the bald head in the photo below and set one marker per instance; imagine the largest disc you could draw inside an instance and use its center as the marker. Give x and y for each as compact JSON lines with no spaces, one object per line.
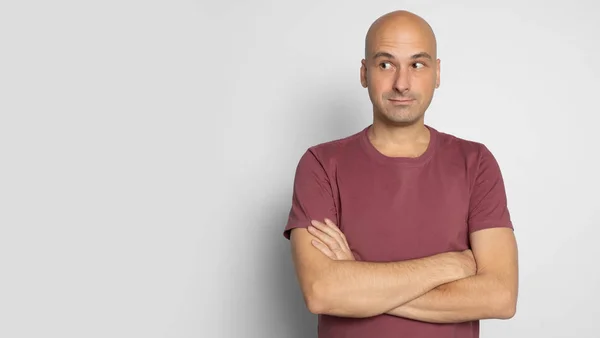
{"x":400,"y":26}
{"x":400,"y":70}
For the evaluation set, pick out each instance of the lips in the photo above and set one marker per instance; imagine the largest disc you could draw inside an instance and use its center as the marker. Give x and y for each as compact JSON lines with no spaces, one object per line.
{"x":401,"y":100}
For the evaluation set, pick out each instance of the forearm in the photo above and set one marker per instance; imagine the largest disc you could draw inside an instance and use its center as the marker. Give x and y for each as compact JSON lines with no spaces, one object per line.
{"x":364,"y":289}
{"x":473,"y":298}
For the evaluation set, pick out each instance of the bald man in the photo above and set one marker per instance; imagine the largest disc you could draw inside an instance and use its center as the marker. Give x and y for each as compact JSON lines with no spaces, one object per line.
{"x":401,"y":230}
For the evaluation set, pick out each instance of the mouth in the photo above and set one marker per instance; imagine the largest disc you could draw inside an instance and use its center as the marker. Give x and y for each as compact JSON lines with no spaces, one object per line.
{"x":401,"y":101}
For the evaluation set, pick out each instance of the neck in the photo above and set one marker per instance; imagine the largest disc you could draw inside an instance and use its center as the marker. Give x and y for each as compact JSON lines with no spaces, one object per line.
{"x":398,"y":134}
{"x":400,"y":140}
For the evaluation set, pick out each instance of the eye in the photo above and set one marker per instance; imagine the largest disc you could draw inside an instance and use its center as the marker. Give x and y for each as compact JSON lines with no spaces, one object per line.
{"x":385,"y":65}
{"x":418,"y":65}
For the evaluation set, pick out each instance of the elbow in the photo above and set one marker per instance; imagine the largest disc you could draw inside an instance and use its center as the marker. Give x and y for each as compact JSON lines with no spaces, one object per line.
{"x":324,"y":297}
{"x":506,"y":305}
{"x":315,"y":298}
{"x":315,"y":306}
{"x":508,"y":311}
{"x":324,"y":300}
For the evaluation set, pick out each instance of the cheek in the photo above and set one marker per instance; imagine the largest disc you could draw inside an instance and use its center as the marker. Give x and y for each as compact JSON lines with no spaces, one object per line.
{"x":379,"y":85}
{"x":424,"y":86}
{"x":373,"y":93}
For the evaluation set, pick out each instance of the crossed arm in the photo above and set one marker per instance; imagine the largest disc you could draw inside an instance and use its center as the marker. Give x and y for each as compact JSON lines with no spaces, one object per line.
{"x":489,"y":294}
{"x":444,"y":288}
{"x":449,"y":287}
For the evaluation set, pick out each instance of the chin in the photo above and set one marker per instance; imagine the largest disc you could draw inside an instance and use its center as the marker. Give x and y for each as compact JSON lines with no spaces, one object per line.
{"x":401,"y":119}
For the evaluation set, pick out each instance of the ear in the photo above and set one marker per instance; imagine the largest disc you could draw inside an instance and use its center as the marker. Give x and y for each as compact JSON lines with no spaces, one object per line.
{"x":363,"y":73}
{"x":437,"y":80}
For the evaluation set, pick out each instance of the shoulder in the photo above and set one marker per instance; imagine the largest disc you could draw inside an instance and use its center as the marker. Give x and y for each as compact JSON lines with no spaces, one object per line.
{"x":471,"y":151}
{"x":319,"y":162}
{"x":330,"y":152}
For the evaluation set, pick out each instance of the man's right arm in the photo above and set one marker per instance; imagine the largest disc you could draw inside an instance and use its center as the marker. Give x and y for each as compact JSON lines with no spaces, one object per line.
{"x":364,"y":289}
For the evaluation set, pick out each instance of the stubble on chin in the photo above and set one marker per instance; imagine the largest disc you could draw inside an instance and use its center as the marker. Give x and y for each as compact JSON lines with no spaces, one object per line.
{"x":400,"y":116}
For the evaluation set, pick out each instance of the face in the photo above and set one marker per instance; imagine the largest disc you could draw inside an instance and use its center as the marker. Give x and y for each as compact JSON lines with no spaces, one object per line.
{"x":401,"y":74}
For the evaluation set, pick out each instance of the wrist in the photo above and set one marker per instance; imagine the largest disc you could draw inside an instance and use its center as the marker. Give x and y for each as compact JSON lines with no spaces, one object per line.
{"x":454,"y":267}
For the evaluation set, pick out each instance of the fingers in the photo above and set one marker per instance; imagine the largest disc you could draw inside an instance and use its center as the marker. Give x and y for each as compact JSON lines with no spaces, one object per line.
{"x":345,"y":247}
{"x":327,"y":234}
{"x":336,"y":229}
{"x":323,"y":248}
{"x":324,"y":234}
{"x":332,"y":236}
{"x":330,"y":240}
{"x":329,"y":228}
{"x":340,"y":237}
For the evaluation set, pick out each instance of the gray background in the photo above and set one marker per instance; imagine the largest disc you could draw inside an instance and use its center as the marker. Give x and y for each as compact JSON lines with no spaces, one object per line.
{"x":147,"y":151}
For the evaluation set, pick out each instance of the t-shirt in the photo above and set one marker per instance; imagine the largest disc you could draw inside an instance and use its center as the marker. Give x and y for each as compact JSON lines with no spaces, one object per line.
{"x":399,"y":208}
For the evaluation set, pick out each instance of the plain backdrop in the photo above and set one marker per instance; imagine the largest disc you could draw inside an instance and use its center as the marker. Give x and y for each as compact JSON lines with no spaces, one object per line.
{"x":147,"y":152}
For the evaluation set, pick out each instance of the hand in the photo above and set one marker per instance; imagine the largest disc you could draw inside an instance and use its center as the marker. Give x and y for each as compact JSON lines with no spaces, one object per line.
{"x":330,"y":240}
{"x":467,"y":263}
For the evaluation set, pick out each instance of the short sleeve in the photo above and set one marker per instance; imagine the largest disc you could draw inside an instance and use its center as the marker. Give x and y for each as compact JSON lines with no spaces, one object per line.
{"x":488,"y":203}
{"x":312,"y":197}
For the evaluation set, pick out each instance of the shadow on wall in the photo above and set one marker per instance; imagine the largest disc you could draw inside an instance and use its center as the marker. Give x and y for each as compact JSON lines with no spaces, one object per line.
{"x":335,"y":117}
{"x":294,"y":319}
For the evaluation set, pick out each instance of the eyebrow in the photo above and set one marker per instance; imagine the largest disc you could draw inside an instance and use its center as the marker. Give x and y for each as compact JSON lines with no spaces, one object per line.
{"x":390,"y":56}
{"x":421,"y":55}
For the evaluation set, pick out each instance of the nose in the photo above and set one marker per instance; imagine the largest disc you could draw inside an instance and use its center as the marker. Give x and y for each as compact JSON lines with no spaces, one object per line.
{"x":402,"y":81}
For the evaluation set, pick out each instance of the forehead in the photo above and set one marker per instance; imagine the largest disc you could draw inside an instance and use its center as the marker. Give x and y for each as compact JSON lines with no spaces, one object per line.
{"x":401,"y":40}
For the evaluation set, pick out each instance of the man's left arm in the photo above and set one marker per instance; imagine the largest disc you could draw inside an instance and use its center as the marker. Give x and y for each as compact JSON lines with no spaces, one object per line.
{"x":490,"y":294}
{"x":492,"y":291}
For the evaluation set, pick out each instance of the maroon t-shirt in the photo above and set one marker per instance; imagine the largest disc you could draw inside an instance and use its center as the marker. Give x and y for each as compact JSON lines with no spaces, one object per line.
{"x":394,"y":209}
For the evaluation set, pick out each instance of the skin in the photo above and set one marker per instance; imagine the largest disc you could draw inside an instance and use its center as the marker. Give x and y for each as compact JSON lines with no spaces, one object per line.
{"x":401,"y":72}
{"x":490,"y":293}
{"x":360,"y":289}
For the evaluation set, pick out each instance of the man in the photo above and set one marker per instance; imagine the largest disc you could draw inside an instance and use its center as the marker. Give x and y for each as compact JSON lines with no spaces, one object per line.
{"x":401,"y":230}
